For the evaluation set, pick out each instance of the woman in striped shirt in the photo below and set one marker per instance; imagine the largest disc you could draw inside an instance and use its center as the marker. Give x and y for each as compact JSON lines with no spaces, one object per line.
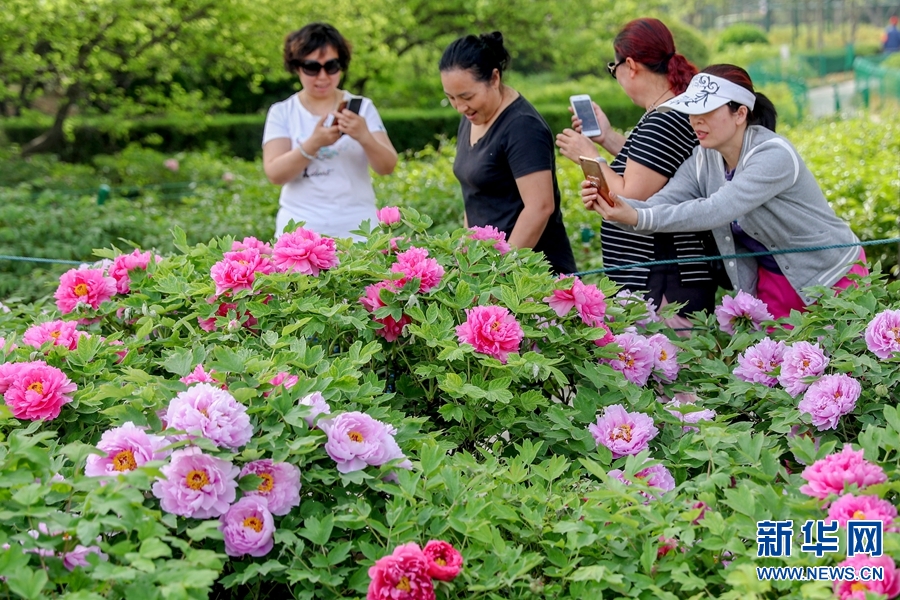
{"x":650,"y":72}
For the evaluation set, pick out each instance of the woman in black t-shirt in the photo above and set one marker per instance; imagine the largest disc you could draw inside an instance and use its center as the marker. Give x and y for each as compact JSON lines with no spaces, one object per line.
{"x":505,"y":159}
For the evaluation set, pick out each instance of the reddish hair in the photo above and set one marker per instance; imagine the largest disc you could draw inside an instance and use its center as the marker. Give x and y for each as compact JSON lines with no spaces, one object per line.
{"x":649,"y":42}
{"x":763,"y":112}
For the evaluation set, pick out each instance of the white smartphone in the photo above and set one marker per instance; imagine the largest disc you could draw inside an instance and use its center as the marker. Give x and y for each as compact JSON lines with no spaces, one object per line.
{"x":584,"y":110}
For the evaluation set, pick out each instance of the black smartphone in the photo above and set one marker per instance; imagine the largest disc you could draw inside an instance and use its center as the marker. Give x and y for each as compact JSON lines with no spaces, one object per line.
{"x":355,"y":104}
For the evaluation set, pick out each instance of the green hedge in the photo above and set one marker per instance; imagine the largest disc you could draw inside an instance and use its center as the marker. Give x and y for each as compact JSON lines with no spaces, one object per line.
{"x":240,"y":135}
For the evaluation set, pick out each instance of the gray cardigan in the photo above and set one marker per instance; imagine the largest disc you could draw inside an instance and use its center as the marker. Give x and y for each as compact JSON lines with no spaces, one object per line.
{"x":774,"y":198}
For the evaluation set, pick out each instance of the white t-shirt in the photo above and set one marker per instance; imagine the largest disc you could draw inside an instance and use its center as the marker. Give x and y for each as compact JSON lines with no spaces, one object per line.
{"x":334,"y":194}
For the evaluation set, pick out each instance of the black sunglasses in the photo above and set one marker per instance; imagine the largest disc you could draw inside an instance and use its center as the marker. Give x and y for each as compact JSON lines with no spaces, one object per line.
{"x":611,"y":67}
{"x":312,"y":68}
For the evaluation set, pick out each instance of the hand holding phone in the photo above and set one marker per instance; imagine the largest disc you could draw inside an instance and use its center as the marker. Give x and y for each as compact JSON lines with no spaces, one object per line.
{"x":594,"y":174}
{"x":584,"y":110}
{"x":329,"y":120}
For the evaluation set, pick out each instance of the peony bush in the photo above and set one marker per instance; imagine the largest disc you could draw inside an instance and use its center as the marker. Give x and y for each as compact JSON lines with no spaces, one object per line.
{"x":429,"y":416}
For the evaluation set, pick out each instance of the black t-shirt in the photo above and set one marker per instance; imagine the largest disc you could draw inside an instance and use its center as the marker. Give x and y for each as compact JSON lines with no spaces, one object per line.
{"x":517,"y":144}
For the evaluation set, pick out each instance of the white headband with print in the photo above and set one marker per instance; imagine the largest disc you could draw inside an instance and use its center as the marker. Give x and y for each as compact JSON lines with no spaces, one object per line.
{"x":708,"y":92}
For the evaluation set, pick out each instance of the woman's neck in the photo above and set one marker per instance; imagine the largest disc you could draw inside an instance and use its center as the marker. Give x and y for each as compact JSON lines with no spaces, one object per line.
{"x":323,"y":105}
{"x":731,"y":149}
{"x":657,"y":93}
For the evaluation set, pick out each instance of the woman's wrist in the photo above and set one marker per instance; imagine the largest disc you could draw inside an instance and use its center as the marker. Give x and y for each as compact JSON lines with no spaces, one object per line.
{"x":307,"y":155}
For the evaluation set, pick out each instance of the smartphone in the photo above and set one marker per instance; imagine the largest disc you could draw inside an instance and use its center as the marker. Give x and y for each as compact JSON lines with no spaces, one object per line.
{"x":329,"y":120}
{"x":354,"y":104}
{"x":584,"y":110}
{"x":594,"y":174}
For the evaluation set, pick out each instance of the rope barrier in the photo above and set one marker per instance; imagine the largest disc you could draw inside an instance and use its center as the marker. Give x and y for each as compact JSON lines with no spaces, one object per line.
{"x":672,"y":261}
{"x":41,"y":260}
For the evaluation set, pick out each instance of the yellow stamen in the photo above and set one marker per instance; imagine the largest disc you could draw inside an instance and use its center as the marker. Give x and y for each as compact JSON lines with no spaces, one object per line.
{"x":663,"y":355}
{"x":196,"y":479}
{"x":859,"y":515}
{"x":268,"y":482}
{"x":495,"y":326}
{"x":403,"y":584}
{"x":81,"y":289}
{"x":124,"y":461}
{"x":253,"y":523}
{"x":622,"y":432}
{"x":858,"y":586}
{"x":37,"y":386}
{"x":355,"y":436}
{"x":55,"y":334}
{"x":440,"y":561}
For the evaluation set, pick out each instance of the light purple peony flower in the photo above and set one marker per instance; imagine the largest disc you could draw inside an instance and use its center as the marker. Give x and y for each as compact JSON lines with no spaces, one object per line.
{"x":627,"y":298}
{"x":248,"y":528}
{"x":742,"y":309}
{"x":665,"y":358}
{"x":636,"y":359}
{"x":318,"y":406}
{"x":801,"y":360}
{"x":695,"y":416}
{"x":355,"y":440}
{"x":127,"y":448}
{"x":829,"y":398}
{"x":196,"y":485}
{"x":656,"y":476}
{"x":757,"y":362}
{"x":883,"y":334}
{"x":210,"y":412}
{"x":280,"y":484}
{"x":623,"y":432}
{"x":78,"y":556}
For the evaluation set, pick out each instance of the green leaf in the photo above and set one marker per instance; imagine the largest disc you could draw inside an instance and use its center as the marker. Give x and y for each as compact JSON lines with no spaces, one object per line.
{"x":318,"y":531}
{"x":155,"y":548}
{"x":27,"y":583}
{"x":179,"y":361}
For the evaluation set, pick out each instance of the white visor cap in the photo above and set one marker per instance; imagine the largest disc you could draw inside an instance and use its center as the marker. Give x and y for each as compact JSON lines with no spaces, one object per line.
{"x":706,"y":93}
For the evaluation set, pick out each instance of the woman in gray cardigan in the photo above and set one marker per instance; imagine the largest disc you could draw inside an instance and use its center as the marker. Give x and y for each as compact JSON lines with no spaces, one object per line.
{"x":751,"y":188}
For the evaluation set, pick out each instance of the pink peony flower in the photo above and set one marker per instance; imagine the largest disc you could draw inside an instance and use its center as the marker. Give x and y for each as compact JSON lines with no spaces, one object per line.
{"x":199,"y":375}
{"x":656,"y":476}
{"x":682,"y":400}
{"x":863,"y":508}
{"x":756,"y":363}
{"x":883,"y":334}
{"x":280,"y":484}
{"x":212,"y":413}
{"x":666,"y":545}
{"x":390,"y":329}
{"x":209,"y":324}
{"x":415,"y":264}
{"x":78,"y":556}
{"x":237,"y":270}
{"x":623,"y":432}
{"x":588,"y":300}
{"x":491,"y":233}
{"x":171,"y":164}
{"x":251,"y":243}
{"x":124,"y":263}
{"x":491,"y":330}
{"x":742,"y":309}
{"x":83,"y":287}
{"x":665,"y":358}
{"x":283,"y":379}
{"x":889,"y":587}
{"x":608,"y":337}
{"x":248,"y":528}
{"x":9,"y":372}
{"x":834,"y":473}
{"x":829,"y":398}
{"x":127,"y":448}
{"x":36,"y":391}
{"x":196,"y":485}
{"x":304,"y":251}
{"x":444,"y":561}
{"x":355,"y":440}
{"x":227,"y":176}
{"x":317,"y":406}
{"x":636,"y":359}
{"x":801,"y":360}
{"x":403,"y":575}
{"x":388,"y":215}
{"x":61,"y":333}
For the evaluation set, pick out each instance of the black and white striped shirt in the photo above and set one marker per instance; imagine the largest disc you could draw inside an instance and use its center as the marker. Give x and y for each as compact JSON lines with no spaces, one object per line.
{"x":659,"y":141}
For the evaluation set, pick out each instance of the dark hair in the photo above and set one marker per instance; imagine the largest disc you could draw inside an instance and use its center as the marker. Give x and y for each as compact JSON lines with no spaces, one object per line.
{"x":479,"y":54}
{"x":649,"y":42}
{"x":303,"y":42}
{"x":763,"y":112}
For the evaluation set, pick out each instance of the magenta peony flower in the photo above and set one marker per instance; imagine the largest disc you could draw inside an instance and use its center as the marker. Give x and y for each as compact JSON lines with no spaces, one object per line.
{"x":280,"y":486}
{"x":171,"y":164}
{"x":388,"y":215}
{"x":283,"y":379}
{"x":318,"y":406}
{"x":623,"y":432}
{"x":656,"y":476}
{"x":36,"y":391}
{"x":251,"y":243}
{"x":607,"y":339}
{"x":696,"y":416}
{"x":889,"y":587}
{"x":78,"y":556}
{"x":801,"y":360}
{"x":636,"y":359}
{"x":199,"y":375}
{"x":756,"y":363}
{"x":127,"y":448}
{"x":9,"y":372}
{"x":390,"y":329}
{"x":491,"y":330}
{"x":587,"y":299}
{"x":415,"y":264}
{"x":237,"y":270}
{"x":863,"y":508}
{"x":829,"y":398}
{"x":209,"y":324}
{"x":666,"y":545}
{"x":124,"y":263}
{"x":883,"y":334}
{"x":402,"y":575}
{"x":562,"y":301}
{"x":248,"y":528}
{"x":665,"y":358}
{"x":355,"y":440}
{"x":61,"y":333}
{"x":83,"y":287}
{"x":304,"y":251}
{"x":444,"y":561}
{"x":834,"y":473}
{"x":491,"y":233}
{"x":196,"y":485}
{"x":212,"y":413}
{"x":742,"y":309}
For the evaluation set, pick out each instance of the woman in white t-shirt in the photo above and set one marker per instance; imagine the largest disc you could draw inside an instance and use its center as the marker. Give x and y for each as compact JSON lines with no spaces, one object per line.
{"x":323,"y":171}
